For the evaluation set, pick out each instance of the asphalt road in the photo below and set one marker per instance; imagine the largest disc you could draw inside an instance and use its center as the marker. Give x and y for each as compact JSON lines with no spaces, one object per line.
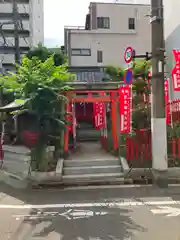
{"x":102,"y":214}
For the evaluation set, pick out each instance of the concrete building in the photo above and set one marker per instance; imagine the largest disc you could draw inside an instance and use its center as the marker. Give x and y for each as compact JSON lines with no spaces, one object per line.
{"x":31,"y":28}
{"x":109,"y":29}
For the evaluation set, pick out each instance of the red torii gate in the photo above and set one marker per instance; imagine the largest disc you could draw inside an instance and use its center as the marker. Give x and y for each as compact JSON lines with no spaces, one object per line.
{"x":106,"y":96}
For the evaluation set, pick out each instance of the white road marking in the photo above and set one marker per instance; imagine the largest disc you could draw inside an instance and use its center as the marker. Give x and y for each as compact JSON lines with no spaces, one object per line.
{"x":168,"y":211}
{"x":69,"y":215}
{"x":92,"y":204}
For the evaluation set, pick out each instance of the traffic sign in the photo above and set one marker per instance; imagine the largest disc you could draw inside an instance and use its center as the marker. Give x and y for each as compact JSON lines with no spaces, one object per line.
{"x":128,"y":76}
{"x":128,"y":54}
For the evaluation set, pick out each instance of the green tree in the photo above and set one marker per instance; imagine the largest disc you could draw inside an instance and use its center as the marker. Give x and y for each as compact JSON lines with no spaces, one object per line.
{"x":141,"y":112}
{"x":43,"y":53}
{"x":38,"y":84}
{"x":115,"y":73}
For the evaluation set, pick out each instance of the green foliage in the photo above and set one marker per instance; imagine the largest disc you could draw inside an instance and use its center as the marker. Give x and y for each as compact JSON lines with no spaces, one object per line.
{"x":115,"y":73}
{"x":141,"y":68}
{"x":141,"y":112}
{"x":174,"y":132}
{"x":43,"y":53}
{"x":39,"y":83}
{"x":141,"y":117}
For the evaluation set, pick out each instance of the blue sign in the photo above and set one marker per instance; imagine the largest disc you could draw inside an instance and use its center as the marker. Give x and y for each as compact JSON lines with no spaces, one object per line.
{"x":128,"y":78}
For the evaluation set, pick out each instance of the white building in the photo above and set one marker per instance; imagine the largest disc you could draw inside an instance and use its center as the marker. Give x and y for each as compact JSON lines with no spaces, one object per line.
{"x":109,"y":29}
{"x":31,"y":28}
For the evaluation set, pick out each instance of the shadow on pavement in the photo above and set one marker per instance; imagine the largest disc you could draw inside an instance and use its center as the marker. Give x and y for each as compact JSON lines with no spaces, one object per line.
{"x":115,"y":225}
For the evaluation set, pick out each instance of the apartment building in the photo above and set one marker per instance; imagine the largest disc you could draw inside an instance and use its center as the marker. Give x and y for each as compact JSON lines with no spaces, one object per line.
{"x":30,"y":29}
{"x":109,"y":29}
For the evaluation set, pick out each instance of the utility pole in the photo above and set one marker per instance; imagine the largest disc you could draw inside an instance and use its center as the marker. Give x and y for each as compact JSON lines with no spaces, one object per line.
{"x":158,"y":118}
{"x":16,"y":33}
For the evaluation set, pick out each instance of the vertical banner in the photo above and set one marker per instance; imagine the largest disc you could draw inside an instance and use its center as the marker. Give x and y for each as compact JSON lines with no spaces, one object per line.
{"x":176,"y":71}
{"x":125,"y":109}
{"x":74,"y":121}
{"x":167,"y":105}
{"x":99,"y":113}
{"x":70,"y":117}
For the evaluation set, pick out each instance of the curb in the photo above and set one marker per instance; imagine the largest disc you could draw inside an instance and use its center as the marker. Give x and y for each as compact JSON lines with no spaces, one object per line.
{"x":139,"y":173}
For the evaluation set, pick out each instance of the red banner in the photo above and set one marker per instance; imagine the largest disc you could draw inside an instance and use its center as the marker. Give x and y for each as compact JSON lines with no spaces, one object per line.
{"x":167,"y":105}
{"x":70,"y":117}
{"x":99,"y":115}
{"x":99,"y":111}
{"x":176,"y":71}
{"x":125,"y":109}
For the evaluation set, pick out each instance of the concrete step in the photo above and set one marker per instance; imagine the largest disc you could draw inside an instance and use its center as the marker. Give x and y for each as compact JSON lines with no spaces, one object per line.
{"x":108,"y":178}
{"x":88,"y":139}
{"x":92,"y":170}
{"x":91,"y":162}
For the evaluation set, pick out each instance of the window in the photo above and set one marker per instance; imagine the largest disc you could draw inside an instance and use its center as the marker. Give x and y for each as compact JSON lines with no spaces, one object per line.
{"x":99,"y":56}
{"x":81,"y":52}
{"x":132,"y":23}
{"x":103,"y":22}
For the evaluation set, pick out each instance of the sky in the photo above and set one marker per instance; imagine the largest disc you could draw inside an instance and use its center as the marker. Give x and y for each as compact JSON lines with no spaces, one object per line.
{"x":60,"y":13}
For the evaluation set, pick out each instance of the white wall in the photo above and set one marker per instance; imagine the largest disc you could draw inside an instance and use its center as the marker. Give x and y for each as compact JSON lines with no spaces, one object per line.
{"x":119,"y":14}
{"x":112,"y":45}
{"x":37,"y":21}
{"x":113,"y":41}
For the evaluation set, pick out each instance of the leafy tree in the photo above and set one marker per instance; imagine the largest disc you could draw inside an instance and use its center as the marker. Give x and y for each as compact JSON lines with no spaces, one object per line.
{"x":115,"y":73}
{"x":141,"y":112}
{"x":39,"y":84}
{"x":43,"y":53}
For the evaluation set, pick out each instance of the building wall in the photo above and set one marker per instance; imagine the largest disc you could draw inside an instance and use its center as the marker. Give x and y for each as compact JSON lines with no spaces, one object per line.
{"x":37,"y":21}
{"x":112,"y":42}
{"x":112,"y":46}
{"x":119,"y":14}
{"x":30,"y":33}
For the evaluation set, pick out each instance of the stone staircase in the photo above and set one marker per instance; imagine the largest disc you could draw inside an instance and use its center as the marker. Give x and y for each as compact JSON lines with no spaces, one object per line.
{"x":92,"y":165}
{"x":87,"y":133}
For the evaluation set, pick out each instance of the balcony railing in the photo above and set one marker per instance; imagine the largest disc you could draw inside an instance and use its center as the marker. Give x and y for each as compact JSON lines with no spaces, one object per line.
{"x":90,"y":77}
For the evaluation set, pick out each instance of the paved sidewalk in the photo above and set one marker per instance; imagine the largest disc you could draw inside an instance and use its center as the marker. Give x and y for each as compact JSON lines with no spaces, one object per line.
{"x":90,"y":150}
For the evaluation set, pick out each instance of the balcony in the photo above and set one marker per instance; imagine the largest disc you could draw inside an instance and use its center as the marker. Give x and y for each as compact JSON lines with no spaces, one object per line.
{"x":88,"y":74}
{"x":7,"y":26}
{"x":8,"y":8}
{"x":10,"y":42}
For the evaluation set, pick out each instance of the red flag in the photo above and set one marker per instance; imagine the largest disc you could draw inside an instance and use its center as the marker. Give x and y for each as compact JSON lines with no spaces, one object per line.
{"x":125,"y":109}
